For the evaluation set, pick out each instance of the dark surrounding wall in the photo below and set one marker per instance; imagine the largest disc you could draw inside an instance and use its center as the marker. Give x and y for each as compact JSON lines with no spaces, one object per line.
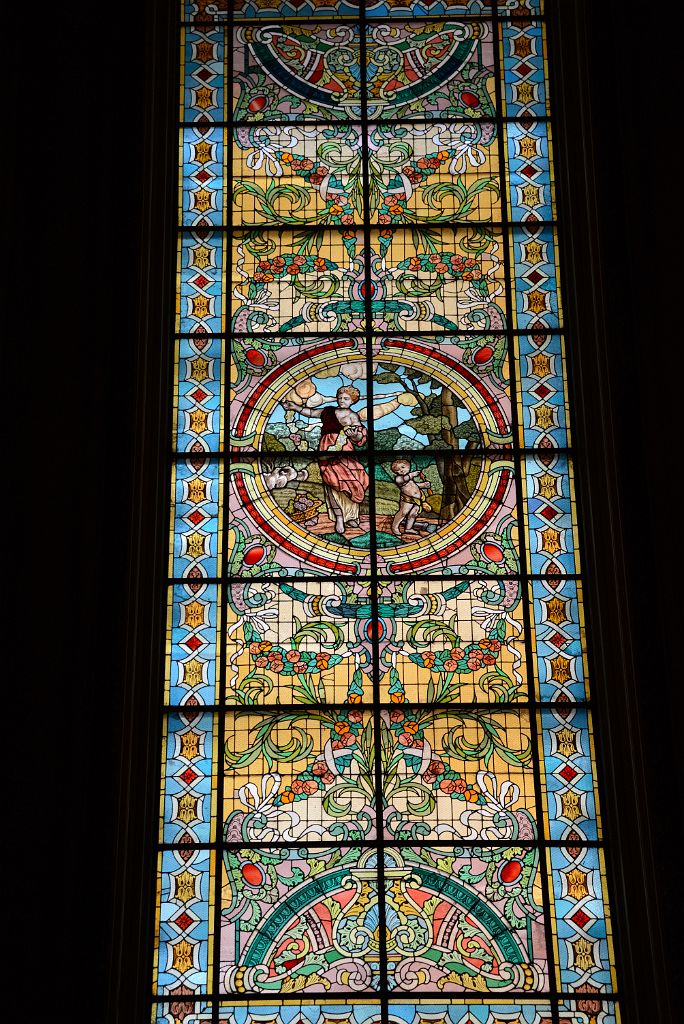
{"x":75,"y":210}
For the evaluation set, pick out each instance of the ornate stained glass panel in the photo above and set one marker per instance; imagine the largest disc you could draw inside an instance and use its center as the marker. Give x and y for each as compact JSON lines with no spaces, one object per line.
{"x":378,"y":795}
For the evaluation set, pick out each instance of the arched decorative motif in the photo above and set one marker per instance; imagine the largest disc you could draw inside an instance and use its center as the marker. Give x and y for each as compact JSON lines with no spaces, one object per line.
{"x":379,"y":797}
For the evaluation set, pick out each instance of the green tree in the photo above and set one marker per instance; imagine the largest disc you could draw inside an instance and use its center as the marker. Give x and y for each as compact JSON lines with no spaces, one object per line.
{"x":435,"y":415}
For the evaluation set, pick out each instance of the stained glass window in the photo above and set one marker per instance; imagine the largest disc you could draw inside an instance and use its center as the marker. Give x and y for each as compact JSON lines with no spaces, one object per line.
{"x":378,"y":796}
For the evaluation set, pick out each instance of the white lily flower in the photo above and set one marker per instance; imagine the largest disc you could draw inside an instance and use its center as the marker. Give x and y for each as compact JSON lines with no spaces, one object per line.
{"x":262,"y":803}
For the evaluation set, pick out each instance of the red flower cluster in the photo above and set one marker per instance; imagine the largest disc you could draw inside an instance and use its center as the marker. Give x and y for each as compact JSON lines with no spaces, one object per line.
{"x":428,"y":163}
{"x":267,"y":657}
{"x":434,"y":769}
{"x":308,"y":786}
{"x":321,"y":769}
{"x":453,"y":786}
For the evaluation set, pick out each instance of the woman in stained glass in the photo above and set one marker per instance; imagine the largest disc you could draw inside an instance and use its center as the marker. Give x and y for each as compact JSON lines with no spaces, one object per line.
{"x":385,"y":526}
{"x":345,"y":481}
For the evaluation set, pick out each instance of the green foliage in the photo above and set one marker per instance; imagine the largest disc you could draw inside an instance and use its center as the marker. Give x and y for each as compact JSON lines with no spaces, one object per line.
{"x":387,"y":438}
{"x":491,"y":739}
{"x":423,"y":635}
{"x":319,"y":631}
{"x":414,"y":287}
{"x":271,"y":202}
{"x":299,"y":744}
{"x":456,"y":195}
{"x":271,"y":443}
{"x":426,"y":239}
{"x":428,"y":425}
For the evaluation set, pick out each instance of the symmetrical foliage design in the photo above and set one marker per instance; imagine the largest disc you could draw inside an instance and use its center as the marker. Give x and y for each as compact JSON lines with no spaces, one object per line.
{"x":378,"y":772}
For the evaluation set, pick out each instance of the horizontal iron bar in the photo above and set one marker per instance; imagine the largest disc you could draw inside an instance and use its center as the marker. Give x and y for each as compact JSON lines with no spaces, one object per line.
{"x":386,"y":845}
{"x":271,"y":710}
{"x":521,"y":577}
{"x":506,"y":332}
{"x":505,"y":227}
{"x":371,"y":122}
{"x":369,"y":18}
{"x":237,"y":455}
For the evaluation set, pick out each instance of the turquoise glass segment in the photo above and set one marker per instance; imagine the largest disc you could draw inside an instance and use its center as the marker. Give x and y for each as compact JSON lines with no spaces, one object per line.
{"x":195,"y":543}
{"x":193,"y":621}
{"x":187,"y":797}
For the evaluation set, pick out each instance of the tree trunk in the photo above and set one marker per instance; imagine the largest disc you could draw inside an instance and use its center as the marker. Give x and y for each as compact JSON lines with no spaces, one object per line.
{"x":455,"y":491}
{"x":453,"y":469}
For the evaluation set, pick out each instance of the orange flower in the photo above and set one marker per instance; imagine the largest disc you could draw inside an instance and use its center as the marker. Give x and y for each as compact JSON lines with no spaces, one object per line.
{"x":319,"y":263}
{"x":354,"y":698}
{"x":287,"y":797}
{"x":411,"y":727}
{"x":396,"y":209}
{"x":265,"y":646}
{"x":267,"y":277}
{"x":287,"y":158}
{"x":470,"y":796}
{"x":341,"y":728}
{"x":397,"y":698}
{"x":442,"y":155}
{"x":336,"y":209}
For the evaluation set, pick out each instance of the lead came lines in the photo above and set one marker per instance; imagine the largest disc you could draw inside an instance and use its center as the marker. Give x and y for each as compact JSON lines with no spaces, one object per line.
{"x":375,"y":461}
